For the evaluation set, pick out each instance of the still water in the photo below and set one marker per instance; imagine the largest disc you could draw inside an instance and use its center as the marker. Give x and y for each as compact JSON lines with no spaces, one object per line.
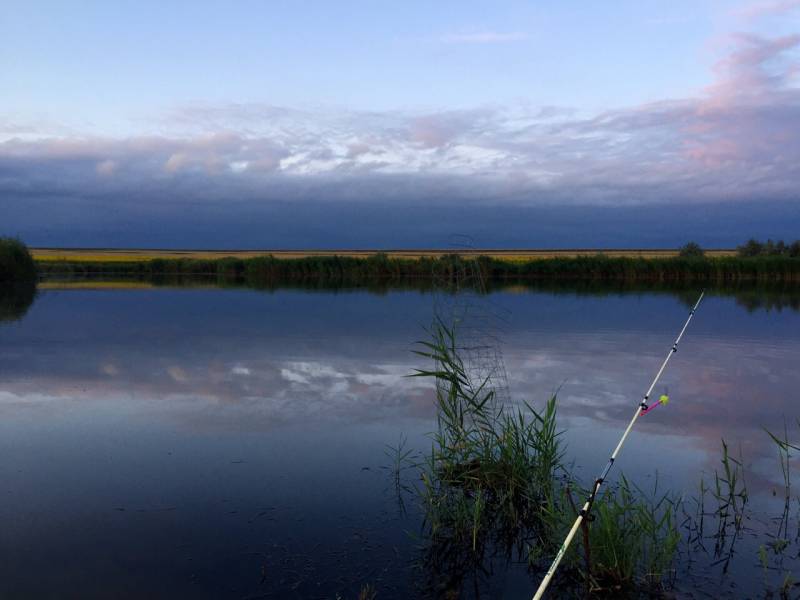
{"x":230,"y":443}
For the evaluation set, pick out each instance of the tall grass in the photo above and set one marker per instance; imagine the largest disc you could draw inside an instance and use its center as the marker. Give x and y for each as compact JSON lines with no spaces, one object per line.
{"x":634,"y":538}
{"x":509,"y":458}
{"x":495,"y":484}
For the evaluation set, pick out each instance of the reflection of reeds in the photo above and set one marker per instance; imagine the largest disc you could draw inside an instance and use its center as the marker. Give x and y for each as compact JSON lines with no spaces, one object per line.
{"x":15,"y":299}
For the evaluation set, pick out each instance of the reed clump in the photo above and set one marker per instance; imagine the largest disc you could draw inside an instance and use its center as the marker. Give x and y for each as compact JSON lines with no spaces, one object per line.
{"x":634,"y":539}
{"x":485,"y":460}
{"x":495,"y":486}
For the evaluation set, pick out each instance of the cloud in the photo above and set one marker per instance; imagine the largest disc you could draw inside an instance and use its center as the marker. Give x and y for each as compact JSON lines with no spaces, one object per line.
{"x":106,"y":167}
{"x":734,"y":140}
{"x":484,"y":37}
{"x":770,"y":8}
{"x":357,"y":149}
{"x":177,"y":374}
{"x":9,"y":127}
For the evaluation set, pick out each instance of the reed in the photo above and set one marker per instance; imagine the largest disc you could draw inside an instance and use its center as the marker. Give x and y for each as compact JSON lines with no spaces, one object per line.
{"x":494,"y":483}
{"x":494,"y":486}
{"x":402,"y":459}
{"x":634,"y":538}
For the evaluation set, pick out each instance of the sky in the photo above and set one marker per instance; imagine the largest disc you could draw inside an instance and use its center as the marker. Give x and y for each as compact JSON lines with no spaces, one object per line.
{"x":374,"y":124}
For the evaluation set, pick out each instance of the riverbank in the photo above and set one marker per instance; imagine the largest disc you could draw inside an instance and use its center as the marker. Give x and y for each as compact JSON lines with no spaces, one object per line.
{"x":446,"y":269}
{"x":514,"y":254}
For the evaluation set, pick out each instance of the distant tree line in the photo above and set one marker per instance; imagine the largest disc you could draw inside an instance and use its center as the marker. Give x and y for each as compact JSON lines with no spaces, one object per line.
{"x":769,"y":248}
{"x":691,"y":250}
{"x":756,"y":261}
{"x":749,"y":249}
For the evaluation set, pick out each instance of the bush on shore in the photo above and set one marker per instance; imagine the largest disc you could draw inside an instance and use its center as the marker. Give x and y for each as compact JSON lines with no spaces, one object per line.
{"x":16,"y":262}
{"x":691,"y":250}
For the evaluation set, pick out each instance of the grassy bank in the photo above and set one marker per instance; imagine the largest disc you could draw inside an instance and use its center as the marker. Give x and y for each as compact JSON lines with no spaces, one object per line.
{"x":449,"y":269}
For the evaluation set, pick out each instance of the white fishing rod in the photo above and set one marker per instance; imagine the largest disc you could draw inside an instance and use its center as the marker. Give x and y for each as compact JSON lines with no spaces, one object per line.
{"x":641,"y":409}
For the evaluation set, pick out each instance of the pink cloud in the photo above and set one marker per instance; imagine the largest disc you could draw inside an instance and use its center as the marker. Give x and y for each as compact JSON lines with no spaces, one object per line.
{"x":744,"y":114}
{"x":106,"y":167}
{"x":734,"y":139}
{"x":768,"y":9}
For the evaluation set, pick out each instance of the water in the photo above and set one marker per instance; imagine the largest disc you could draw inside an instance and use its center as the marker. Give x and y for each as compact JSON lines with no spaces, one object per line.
{"x":205,"y":442}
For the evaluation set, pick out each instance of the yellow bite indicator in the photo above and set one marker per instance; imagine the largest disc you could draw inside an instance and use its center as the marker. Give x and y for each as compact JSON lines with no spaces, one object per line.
{"x":664,"y":399}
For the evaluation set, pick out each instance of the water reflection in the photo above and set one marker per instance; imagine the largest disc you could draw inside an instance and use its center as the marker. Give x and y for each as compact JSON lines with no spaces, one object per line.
{"x":753,"y":296}
{"x":219,"y":443}
{"x":15,"y":300}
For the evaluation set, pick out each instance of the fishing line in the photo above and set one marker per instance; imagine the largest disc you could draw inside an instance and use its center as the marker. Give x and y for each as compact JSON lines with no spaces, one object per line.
{"x":641,"y":409}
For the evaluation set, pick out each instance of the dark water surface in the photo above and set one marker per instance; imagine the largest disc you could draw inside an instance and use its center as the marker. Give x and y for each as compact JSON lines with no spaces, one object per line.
{"x":229,"y":443}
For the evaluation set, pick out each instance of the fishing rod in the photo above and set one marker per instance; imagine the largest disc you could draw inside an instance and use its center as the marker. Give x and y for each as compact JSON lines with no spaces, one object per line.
{"x":641,"y":409}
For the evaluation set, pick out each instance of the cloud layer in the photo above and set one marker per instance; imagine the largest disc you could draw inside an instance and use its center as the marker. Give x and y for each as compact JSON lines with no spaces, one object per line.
{"x":736,"y":140}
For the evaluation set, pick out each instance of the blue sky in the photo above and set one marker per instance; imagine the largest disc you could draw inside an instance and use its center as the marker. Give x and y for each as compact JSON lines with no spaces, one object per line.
{"x":141,"y":113}
{"x":112,"y":62}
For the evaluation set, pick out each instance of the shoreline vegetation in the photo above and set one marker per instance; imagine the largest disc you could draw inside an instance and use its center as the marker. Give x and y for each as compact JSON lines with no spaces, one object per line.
{"x":448,"y":269}
{"x":513,"y":254}
{"x":495,"y":488}
{"x":769,"y":262}
{"x":495,"y":485}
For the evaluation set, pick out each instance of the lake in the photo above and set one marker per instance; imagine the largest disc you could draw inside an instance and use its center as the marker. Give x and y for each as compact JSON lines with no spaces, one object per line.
{"x":213,"y":442}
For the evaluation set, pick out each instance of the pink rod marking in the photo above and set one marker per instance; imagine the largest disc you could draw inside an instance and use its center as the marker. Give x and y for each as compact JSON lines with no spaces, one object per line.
{"x":651,"y":407}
